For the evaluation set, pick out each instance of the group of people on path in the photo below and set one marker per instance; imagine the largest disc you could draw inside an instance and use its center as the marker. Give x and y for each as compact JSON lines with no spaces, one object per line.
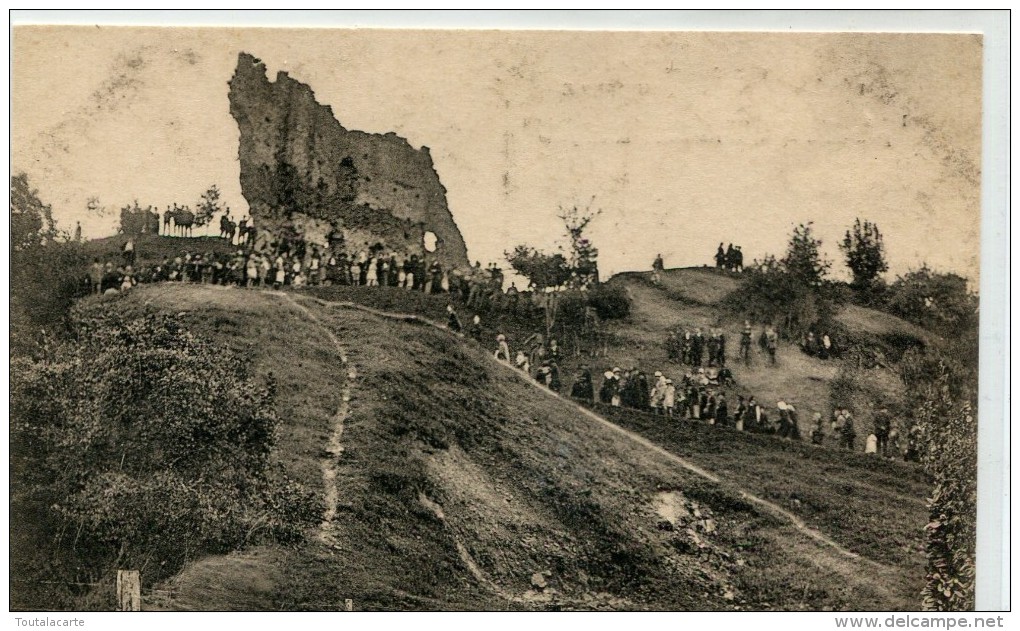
{"x":692,"y":347}
{"x":884,"y":440}
{"x":698,"y":396}
{"x":293,"y":262}
{"x":820,"y":346}
{"x":536,"y":357}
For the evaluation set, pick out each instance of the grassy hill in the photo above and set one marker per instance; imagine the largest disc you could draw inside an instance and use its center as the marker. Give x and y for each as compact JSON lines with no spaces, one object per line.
{"x":450,"y":481}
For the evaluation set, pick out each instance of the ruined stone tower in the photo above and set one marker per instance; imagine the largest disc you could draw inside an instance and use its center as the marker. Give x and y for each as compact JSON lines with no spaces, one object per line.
{"x":302,"y":170}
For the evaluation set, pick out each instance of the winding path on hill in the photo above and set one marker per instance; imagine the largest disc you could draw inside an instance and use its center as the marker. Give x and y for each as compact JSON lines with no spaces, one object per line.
{"x":334,"y":448}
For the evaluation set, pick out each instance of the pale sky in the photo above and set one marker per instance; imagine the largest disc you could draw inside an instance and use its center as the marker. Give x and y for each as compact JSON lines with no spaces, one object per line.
{"x":683,"y":139}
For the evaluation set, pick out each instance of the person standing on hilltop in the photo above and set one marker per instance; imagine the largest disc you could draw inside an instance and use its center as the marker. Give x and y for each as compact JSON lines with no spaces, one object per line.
{"x":712,"y":343}
{"x":658,"y":393}
{"x":720,"y":257}
{"x":315,"y":267}
{"x":355,"y":269}
{"x":535,"y":344}
{"x":372,"y":273}
{"x":617,"y":388}
{"x":657,"y":268}
{"x":722,"y":417}
{"x":739,"y":413}
{"x":697,"y":347}
{"x":606,"y":390}
{"x":96,"y":275}
{"x":382,"y":270}
{"x":817,"y":429}
{"x":395,"y":272}
{"x":553,"y":352}
{"x":669,"y":398}
{"x":251,"y":271}
{"x":129,"y":252}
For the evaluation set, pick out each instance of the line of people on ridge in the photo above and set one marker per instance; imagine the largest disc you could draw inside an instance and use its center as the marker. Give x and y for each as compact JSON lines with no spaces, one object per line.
{"x":293,"y":262}
{"x":731,"y":259}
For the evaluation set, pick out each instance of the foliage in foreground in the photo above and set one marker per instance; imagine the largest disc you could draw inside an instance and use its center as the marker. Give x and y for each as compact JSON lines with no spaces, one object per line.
{"x":150,"y":447}
{"x":945,"y":393}
{"x":46,"y":269}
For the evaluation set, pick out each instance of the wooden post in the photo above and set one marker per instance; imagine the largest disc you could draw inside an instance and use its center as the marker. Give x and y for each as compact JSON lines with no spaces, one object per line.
{"x":129,"y":590}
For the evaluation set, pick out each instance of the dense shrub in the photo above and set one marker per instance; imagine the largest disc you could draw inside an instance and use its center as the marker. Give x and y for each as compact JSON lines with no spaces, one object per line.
{"x":941,"y":389}
{"x":948,"y":427}
{"x":151,"y":446}
{"x":938,"y":302}
{"x":47,"y":271}
{"x":611,"y":301}
{"x":770,"y":293}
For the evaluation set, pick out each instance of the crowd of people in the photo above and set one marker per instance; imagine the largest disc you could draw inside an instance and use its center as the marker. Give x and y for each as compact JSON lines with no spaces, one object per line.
{"x":702,"y":393}
{"x":295,"y":263}
{"x":699,"y":394}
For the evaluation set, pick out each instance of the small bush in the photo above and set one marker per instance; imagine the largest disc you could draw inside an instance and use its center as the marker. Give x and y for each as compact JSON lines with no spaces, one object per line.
{"x":611,"y":301}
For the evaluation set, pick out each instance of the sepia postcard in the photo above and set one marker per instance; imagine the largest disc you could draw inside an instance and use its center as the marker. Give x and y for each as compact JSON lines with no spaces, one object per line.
{"x":337,"y":319}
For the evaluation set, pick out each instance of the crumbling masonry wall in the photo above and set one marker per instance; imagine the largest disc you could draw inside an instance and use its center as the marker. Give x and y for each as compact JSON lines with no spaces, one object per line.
{"x":301,"y":170}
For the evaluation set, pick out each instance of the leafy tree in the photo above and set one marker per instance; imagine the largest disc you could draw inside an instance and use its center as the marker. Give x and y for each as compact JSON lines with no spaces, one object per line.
{"x":583,"y":254}
{"x":577,"y":269}
{"x":804,"y":260}
{"x":32,"y":223}
{"x":47,"y":271}
{"x":945,"y":413}
{"x":543,"y":271}
{"x":865,"y":254}
{"x":791,"y":293}
{"x":208,"y":206}
{"x":136,"y":220}
{"x":936,"y":301}
{"x":610,"y":301}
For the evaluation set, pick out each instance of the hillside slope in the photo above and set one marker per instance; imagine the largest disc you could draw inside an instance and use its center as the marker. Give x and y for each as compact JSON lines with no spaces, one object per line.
{"x":451,"y":482}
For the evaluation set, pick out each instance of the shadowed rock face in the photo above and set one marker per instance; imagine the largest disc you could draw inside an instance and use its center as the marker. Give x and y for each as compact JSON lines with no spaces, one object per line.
{"x":302,"y":170}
